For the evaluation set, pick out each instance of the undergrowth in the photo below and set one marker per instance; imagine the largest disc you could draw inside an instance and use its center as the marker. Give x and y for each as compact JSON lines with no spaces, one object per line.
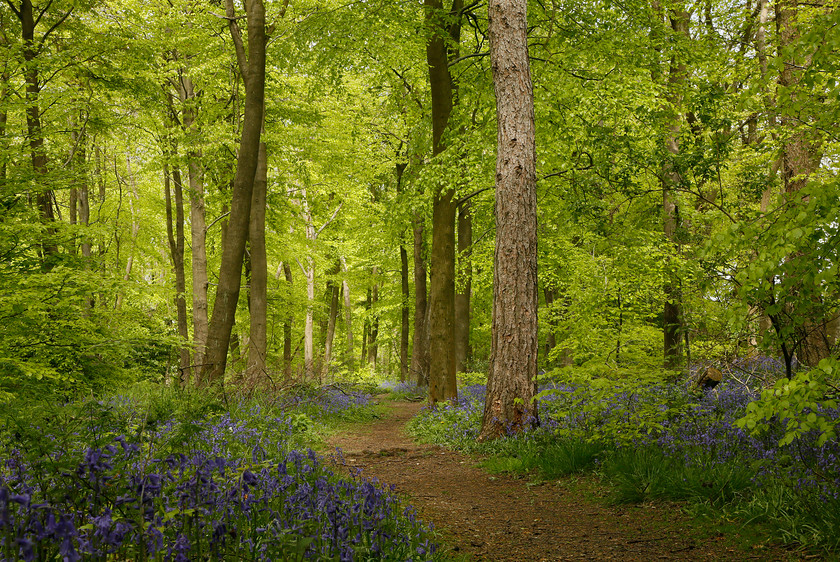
{"x":665,"y":441}
{"x":157,"y":474}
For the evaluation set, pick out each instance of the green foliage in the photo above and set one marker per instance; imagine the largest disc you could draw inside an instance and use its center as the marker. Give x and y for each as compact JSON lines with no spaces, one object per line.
{"x":612,"y":409}
{"x":800,"y":404}
{"x":792,"y":516}
{"x":640,"y":474}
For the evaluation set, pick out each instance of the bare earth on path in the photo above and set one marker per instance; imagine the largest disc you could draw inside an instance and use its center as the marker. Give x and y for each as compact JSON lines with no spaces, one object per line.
{"x":503,"y":518}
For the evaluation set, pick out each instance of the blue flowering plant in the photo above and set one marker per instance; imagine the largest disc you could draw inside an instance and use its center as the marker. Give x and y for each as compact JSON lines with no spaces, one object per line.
{"x":232,"y":486}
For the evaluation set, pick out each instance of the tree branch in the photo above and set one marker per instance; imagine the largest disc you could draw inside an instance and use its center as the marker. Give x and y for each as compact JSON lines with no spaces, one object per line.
{"x":44,"y":11}
{"x":236,"y":35}
{"x":463,"y":200}
{"x":55,"y":26}
{"x":12,"y":6}
{"x":326,"y":224}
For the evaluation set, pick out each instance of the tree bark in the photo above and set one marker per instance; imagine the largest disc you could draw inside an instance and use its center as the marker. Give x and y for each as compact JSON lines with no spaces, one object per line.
{"x":670,"y":178}
{"x":462,"y":298}
{"x":442,"y":381}
{"x":511,"y":384}
{"x":348,"y":316}
{"x":252,"y":67}
{"x":37,"y":151}
{"x":133,"y":197}
{"x":373,"y":314}
{"x":287,"y":326}
{"x":801,"y":157}
{"x":258,"y":290}
{"x":550,"y":337}
{"x":420,"y":341}
{"x":175,"y":235}
{"x":334,"y":289}
{"x":405,"y":320}
{"x":198,"y":224}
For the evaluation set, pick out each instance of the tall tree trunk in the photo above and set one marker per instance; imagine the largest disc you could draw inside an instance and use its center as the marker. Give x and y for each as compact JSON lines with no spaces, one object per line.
{"x":258,"y":291}
{"x":550,"y":337}
{"x":405,"y":320}
{"x":670,"y":179}
{"x":442,"y":382}
{"x":801,"y":157}
{"x":309,"y":325}
{"x":287,"y":326}
{"x":462,"y":298}
{"x":37,"y":151}
{"x":252,"y":67}
{"x":373,"y":314}
{"x":198,"y":223}
{"x":175,"y":235}
{"x":133,"y":198}
{"x":348,"y":315}
{"x":333,"y":289}
{"x":512,"y":382}
{"x":420,"y":342}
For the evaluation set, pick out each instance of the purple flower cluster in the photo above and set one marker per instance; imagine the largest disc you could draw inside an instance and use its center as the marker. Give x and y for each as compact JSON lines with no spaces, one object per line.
{"x":324,"y":402}
{"x":219,"y":489}
{"x":696,"y":427}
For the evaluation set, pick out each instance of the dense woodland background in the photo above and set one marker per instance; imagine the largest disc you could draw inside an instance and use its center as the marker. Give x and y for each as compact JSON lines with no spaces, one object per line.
{"x":687,"y":188}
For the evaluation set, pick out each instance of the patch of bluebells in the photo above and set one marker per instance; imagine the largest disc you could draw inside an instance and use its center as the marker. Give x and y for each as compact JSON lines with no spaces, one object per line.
{"x":696,"y":427}
{"x":325,"y":402}
{"x":230,"y":491}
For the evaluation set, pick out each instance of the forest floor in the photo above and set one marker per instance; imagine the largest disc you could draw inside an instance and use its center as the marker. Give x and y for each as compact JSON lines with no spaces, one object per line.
{"x":502,"y":517}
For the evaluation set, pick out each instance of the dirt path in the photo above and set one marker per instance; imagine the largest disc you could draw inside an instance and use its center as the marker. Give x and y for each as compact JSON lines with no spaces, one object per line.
{"x":502,"y":518}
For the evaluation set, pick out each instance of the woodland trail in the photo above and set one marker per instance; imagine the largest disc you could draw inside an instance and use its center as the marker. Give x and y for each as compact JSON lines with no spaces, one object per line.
{"x":503,"y":518}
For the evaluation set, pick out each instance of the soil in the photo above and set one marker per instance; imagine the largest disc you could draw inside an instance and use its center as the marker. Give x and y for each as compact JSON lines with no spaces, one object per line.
{"x":485,"y":517}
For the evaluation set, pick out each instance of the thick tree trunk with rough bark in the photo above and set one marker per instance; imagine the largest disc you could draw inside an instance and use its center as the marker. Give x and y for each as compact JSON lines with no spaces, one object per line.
{"x":442,"y":382}
{"x":511,"y":384}
{"x":252,"y":66}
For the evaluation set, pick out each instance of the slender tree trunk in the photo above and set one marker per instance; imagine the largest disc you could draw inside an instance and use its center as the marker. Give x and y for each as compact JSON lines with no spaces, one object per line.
{"x":348,"y":316}
{"x":287,"y":327}
{"x":405,"y":320}
{"x":334,"y":289}
{"x":512,"y":382}
{"x":462,"y":298}
{"x":175,"y":235}
{"x":134,"y":197}
{"x":198,"y":224}
{"x":420,"y":342}
{"x":442,"y":381}
{"x":365,"y":331}
{"x":550,"y":337}
{"x":5,"y":90}
{"x":670,"y":179}
{"x":373,"y":314}
{"x":258,"y":291}
{"x":309,"y":326}
{"x":230,"y":272}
